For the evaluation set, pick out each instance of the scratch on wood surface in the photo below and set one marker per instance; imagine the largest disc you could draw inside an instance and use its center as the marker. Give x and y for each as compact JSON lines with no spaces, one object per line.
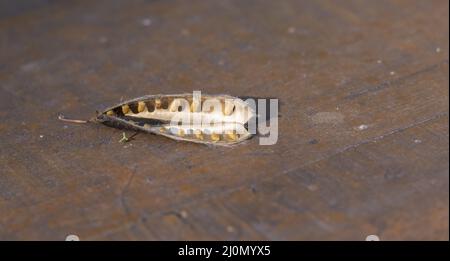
{"x":124,"y":190}
{"x":390,"y":83}
{"x":394,"y":131}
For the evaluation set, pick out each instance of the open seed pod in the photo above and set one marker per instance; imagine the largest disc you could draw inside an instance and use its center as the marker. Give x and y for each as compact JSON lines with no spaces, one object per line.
{"x":209,"y":119}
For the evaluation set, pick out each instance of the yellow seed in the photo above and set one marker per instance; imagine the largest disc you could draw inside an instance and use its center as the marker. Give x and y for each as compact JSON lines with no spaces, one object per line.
{"x":181,"y":132}
{"x":195,"y":106}
{"x":141,"y":106}
{"x":228,"y":108}
{"x":198,"y":134}
{"x":158,"y":104}
{"x":162,"y":129}
{"x":215,"y":137}
{"x":147,"y":126}
{"x":110,"y":113}
{"x":231,"y":135}
{"x":125,"y":109}
{"x":174,"y":106}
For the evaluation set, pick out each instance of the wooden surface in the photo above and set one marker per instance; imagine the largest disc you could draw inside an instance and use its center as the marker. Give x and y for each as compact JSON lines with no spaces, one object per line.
{"x":363,"y":135}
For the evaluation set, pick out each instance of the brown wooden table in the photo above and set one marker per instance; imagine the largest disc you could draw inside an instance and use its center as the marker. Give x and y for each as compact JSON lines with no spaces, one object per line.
{"x":363,"y":142}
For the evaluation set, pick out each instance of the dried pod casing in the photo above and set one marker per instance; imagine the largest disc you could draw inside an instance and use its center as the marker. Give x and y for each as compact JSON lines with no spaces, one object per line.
{"x":209,"y":119}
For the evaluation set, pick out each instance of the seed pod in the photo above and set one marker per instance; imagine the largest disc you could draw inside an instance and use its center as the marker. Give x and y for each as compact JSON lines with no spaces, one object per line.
{"x":222,"y":122}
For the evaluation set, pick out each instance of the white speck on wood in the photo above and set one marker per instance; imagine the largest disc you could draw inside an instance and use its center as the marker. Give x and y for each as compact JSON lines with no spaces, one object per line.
{"x":146,"y":22}
{"x":184,"y":214}
{"x":185,"y":32}
{"x":102,"y":40}
{"x":362,"y":127}
{"x":230,"y":229}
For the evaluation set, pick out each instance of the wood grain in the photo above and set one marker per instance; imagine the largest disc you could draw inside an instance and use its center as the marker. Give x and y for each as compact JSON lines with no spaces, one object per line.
{"x":363,"y":128}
